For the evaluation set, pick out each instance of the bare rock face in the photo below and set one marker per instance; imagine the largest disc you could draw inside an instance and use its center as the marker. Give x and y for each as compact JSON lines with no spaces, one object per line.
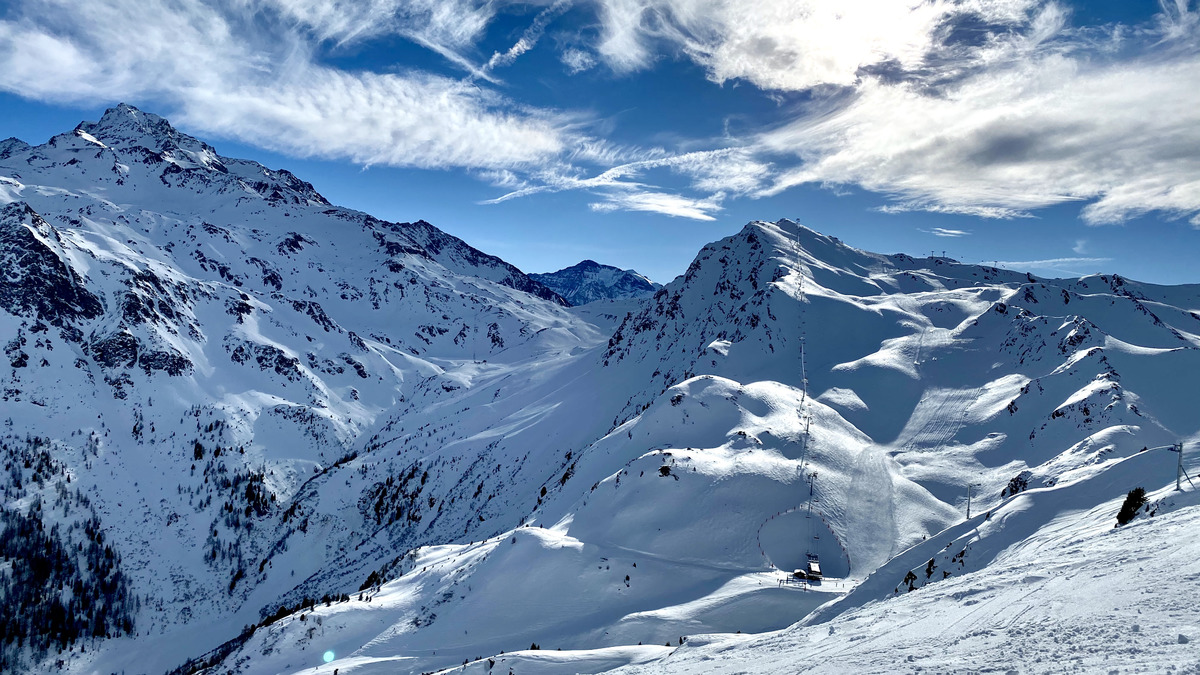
{"x":37,"y":282}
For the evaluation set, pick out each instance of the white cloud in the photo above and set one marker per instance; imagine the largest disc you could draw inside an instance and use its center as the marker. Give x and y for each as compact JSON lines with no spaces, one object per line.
{"x":1041,"y":127}
{"x":623,"y":43}
{"x":451,"y":23}
{"x":424,"y":121}
{"x":1074,"y":267}
{"x":660,"y":202}
{"x":787,"y":44}
{"x":577,"y":60}
{"x":530,"y":37}
{"x":736,"y":170}
{"x":1021,"y":113}
{"x":235,"y":72}
{"x":447,"y":27}
{"x":1027,"y":112}
{"x":621,"y":187}
{"x":944,"y":232}
{"x":992,"y":212}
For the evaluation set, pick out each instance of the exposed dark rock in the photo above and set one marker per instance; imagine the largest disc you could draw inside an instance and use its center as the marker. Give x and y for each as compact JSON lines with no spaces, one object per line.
{"x":37,"y":282}
{"x":16,"y":356}
{"x":239,"y":307}
{"x":169,"y":362}
{"x":294,"y":243}
{"x":270,"y":276}
{"x":119,"y":350}
{"x":317,"y":314}
{"x":267,"y":357}
{"x":354,"y":363}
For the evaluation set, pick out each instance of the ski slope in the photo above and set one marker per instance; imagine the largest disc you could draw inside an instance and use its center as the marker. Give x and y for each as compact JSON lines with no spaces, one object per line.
{"x":1075,"y":595}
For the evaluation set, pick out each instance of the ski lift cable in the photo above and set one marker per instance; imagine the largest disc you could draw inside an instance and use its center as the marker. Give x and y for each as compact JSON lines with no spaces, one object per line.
{"x":805,"y":406}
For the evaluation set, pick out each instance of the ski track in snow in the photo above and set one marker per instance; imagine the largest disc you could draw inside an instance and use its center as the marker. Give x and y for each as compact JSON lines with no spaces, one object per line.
{"x":874,"y":531}
{"x":938,"y":417}
{"x":1085,"y":599}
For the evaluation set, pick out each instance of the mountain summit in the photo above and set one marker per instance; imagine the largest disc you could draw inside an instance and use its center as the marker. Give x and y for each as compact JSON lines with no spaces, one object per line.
{"x":150,"y":280}
{"x":589,"y":281}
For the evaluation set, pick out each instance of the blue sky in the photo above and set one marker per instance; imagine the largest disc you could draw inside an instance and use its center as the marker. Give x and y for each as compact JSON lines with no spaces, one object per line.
{"x":1048,"y":136}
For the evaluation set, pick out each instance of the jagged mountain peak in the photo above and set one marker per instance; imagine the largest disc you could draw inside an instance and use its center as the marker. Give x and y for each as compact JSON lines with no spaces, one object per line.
{"x":831,"y":263}
{"x":129,"y":128}
{"x":588,"y":281}
{"x":142,"y":149}
{"x":131,"y":156}
{"x":12,"y":145}
{"x":125,"y":125}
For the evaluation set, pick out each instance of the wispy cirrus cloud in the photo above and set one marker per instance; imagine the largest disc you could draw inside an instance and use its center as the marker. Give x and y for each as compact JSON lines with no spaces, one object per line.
{"x":986,"y":108}
{"x":529,"y":38}
{"x":946,"y":232}
{"x":447,"y":27}
{"x":448,"y":24}
{"x":625,"y":187}
{"x":660,"y":202}
{"x":1040,"y":129}
{"x":1033,"y":114}
{"x":252,"y":72}
{"x":577,"y":60}
{"x":1024,"y":113}
{"x":1072,"y":267}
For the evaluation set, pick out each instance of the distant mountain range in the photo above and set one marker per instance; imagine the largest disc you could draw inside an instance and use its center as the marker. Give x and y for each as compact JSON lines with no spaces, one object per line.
{"x":245,"y":430}
{"x":589,"y":281}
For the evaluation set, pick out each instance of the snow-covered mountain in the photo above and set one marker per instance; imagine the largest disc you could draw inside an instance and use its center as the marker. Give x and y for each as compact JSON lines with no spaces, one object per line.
{"x":316,"y":440}
{"x":590,"y":281}
{"x":925,"y":376}
{"x":193,"y":338}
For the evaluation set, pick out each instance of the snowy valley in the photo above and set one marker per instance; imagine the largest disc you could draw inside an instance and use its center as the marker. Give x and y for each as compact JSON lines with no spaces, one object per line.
{"x":261,"y":433}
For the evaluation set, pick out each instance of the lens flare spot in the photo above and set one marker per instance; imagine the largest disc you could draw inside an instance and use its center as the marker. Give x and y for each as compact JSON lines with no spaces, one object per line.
{"x":329,"y":656}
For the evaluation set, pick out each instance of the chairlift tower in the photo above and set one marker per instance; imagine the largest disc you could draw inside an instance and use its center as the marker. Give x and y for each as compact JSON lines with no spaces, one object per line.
{"x":1178,"y":450}
{"x":1180,"y":473}
{"x":812,"y":526}
{"x":969,"y":486}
